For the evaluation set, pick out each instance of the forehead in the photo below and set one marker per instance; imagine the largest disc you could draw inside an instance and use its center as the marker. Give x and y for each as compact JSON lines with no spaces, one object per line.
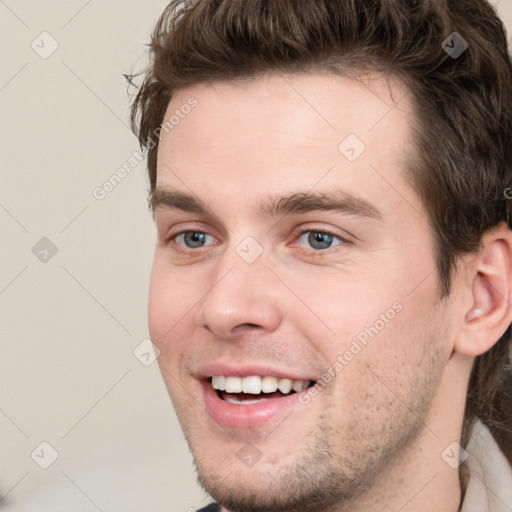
{"x":281,"y":130}
{"x":363,"y":101}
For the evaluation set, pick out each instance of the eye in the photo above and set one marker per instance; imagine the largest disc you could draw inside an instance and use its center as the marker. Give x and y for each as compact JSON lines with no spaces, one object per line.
{"x":191,"y":239}
{"x":308,"y":239}
{"x":318,"y":240}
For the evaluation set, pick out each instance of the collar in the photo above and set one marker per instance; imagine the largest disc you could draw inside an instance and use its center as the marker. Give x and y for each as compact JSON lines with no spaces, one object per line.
{"x":489,"y":487}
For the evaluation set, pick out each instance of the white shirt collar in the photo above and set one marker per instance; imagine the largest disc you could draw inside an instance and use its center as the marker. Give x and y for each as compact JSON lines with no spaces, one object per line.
{"x":489,"y":486}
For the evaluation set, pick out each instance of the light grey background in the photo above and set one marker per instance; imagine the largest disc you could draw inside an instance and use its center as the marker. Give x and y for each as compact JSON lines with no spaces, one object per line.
{"x":71,"y":321}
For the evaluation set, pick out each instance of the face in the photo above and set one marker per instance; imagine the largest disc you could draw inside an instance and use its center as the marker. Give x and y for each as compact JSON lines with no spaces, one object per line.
{"x":291,"y":252}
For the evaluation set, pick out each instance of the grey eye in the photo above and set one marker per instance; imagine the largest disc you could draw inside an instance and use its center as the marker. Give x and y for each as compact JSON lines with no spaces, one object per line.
{"x":193,"y":239}
{"x":319,"y":239}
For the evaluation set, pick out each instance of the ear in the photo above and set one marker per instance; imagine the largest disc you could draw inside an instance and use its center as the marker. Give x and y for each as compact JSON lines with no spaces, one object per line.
{"x":489,"y":294}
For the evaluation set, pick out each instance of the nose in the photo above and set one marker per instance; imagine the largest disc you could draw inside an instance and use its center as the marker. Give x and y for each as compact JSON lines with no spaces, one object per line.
{"x":242,"y":298}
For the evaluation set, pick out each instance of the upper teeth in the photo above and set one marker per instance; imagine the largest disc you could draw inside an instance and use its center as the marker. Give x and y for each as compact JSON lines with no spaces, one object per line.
{"x":255,"y":384}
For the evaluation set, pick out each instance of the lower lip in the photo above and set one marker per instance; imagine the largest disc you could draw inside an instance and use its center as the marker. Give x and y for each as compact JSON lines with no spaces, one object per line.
{"x":250,"y":415}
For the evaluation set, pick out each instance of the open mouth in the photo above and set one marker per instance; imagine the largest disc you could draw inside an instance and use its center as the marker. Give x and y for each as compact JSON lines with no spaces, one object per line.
{"x":255,"y":389}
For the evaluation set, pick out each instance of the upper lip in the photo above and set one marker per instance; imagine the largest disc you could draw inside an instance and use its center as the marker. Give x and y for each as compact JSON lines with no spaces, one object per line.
{"x":245,"y":370}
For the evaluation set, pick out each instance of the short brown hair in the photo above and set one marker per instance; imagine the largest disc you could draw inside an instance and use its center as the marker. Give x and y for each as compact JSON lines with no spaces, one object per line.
{"x":462,"y":162}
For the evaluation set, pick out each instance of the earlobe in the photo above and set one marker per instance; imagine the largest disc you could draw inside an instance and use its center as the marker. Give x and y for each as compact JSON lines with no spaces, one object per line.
{"x":490,"y":288}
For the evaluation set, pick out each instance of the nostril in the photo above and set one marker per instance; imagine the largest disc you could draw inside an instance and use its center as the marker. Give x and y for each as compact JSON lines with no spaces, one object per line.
{"x":243,"y":327}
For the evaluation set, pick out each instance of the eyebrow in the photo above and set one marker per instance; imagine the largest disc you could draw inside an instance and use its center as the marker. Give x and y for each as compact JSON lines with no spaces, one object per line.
{"x":274,"y":205}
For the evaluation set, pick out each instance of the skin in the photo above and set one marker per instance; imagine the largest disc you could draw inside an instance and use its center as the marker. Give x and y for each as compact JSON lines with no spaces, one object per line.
{"x":372,"y":438}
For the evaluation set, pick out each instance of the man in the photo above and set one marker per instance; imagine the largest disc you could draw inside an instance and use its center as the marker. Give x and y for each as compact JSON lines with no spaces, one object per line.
{"x":332,"y":282}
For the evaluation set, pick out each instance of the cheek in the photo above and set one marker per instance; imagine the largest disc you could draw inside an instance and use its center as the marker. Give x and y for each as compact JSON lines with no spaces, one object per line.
{"x":170,"y":307}
{"x":343,"y":306}
{"x":367,"y":316}
{"x":171,"y":321}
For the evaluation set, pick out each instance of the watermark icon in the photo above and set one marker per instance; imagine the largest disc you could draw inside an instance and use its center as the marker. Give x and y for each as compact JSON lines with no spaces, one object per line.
{"x":100,"y":192}
{"x":249,"y":249}
{"x":44,"y":250}
{"x":44,"y":455}
{"x":356,"y":346}
{"x":351,"y":147}
{"x":146,"y":352}
{"x":508,"y":193}
{"x":44,"y":45}
{"x":454,"y":45}
{"x":249,"y":455}
{"x":454,"y":455}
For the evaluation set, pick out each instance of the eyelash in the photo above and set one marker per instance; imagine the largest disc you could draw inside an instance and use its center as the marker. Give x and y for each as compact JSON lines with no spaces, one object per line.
{"x":311,"y":252}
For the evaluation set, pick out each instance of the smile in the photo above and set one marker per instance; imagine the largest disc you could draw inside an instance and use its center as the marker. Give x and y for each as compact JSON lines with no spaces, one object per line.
{"x":250,"y":401}
{"x":256,"y":385}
